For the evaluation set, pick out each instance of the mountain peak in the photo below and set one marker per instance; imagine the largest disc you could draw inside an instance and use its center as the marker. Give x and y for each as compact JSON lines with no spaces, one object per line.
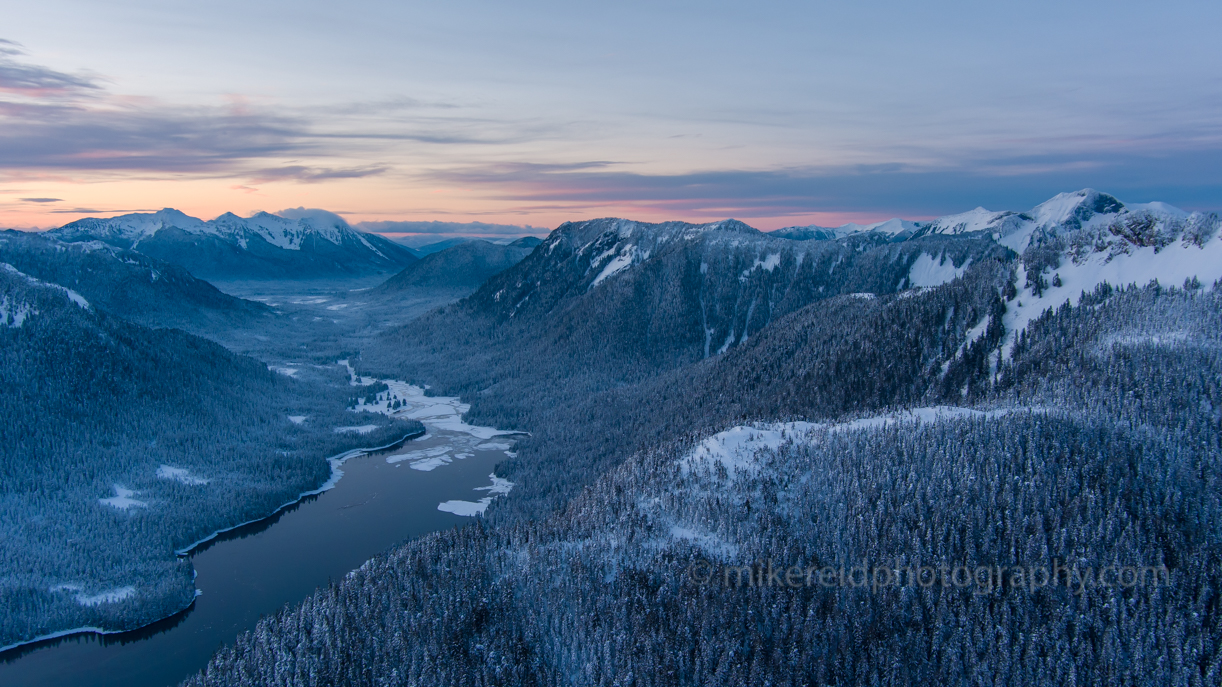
{"x":1064,"y":208}
{"x":314,"y":217}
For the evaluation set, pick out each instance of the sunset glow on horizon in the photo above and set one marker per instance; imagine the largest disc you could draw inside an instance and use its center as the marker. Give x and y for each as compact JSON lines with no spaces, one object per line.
{"x":794,"y":114}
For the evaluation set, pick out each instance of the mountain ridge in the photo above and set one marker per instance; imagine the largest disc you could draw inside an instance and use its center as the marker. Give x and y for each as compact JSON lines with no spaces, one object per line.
{"x":1064,"y":212}
{"x":297,"y":244}
{"x":127,"y":283}
{"x":464,"y":265}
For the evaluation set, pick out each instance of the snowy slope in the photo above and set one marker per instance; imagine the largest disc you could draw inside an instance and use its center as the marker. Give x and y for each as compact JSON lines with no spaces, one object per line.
{"x":23,"y":297}
{"x":1171,"y":247}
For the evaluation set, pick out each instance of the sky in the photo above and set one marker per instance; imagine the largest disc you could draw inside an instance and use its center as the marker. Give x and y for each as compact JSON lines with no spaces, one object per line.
{"x":529,"y":114}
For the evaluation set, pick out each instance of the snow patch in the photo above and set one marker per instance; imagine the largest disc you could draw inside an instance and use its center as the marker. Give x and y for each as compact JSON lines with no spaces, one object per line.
{"x":713,"y":546}
{"x":297,"y":419}
{"x":358,"y":429}
{"x":929,"y":271}
{"x":107,"y":597}
{"x":619,"y":263}
{"x":180,"y":475}
{"x":14,"y":314}
{"x":286,"y":371}
{"x":769,"y":263}
{"x":736,"y":449}
{"x":123,"y":499}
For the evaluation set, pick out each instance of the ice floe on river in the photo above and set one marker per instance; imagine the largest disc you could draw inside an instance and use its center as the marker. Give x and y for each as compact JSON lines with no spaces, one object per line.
{"x":454,"y":438}
{"x":498,"y":487}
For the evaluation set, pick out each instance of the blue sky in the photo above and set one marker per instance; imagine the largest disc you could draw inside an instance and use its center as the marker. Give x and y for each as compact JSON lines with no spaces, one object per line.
{"x":541,"y":112}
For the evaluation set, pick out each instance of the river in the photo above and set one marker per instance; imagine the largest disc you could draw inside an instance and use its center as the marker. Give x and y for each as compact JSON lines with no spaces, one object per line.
{"x":382,"y":499}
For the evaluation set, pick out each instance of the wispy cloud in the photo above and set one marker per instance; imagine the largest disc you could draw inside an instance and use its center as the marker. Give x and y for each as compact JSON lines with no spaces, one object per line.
{"x":113,"y":135}
{"x":315,"y":174}
{"x":43,"y":200}
{"x":53,"y":121}
{"x":19,"y":77}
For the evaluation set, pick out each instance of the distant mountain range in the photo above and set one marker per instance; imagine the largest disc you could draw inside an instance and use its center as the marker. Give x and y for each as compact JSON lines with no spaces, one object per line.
{"x":1065,"y":211}
{"x":437,"y":246}
{"x":316,"y":244}
{"x":306,"y":245}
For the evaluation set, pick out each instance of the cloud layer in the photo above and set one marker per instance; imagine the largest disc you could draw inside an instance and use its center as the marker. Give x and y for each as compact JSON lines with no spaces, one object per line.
{"x":450,"y":229}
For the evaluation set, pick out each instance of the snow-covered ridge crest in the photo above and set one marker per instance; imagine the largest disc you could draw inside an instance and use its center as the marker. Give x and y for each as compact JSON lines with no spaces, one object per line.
{"x":612,"y":245}
{"x":581,"y":236}
{"x":735,"y":450}
{"x":286,"y":230}
{"x":1064,"y":212}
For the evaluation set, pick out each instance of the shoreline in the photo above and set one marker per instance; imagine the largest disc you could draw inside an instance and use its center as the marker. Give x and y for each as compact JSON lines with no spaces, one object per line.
{"x":336,"y":473}
{"x":336,"y":462}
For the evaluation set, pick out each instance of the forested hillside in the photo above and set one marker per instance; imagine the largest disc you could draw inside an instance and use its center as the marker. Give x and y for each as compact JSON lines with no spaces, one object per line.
{"x":130,"y":284}
{"x":561,"y":351}
{"x":941,"y":401}
{"x":1092,"y":465}
{"x":120,"y":444}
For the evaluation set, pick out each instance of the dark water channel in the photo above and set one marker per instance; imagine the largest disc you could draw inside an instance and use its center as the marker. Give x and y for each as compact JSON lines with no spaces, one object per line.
{"x":257,"y":569}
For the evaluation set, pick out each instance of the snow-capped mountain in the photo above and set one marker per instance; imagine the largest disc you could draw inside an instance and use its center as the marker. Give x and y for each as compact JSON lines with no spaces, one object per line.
{"x":296,"y":244}
{"x":687,"y":291}
{"x":702,"y":289}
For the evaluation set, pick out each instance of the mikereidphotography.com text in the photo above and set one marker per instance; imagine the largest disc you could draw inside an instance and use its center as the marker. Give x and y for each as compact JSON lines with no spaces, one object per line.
{"x":980,"y":579}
